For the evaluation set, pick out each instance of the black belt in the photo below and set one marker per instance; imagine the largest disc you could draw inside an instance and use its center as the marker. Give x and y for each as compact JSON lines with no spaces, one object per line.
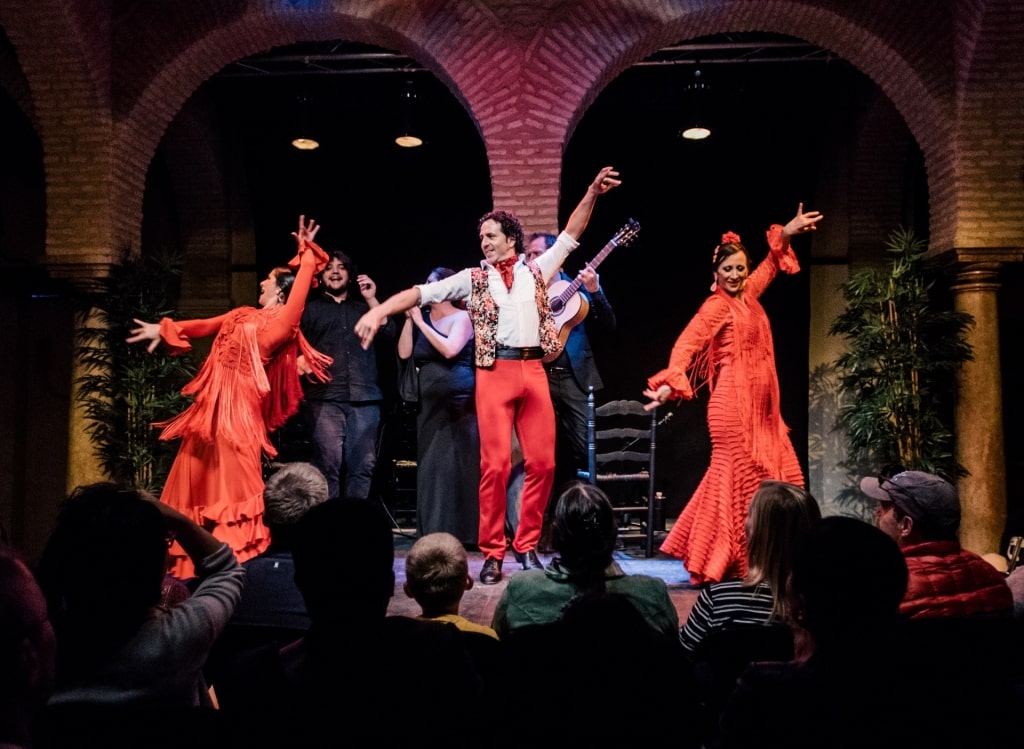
{"x":523,"y":354}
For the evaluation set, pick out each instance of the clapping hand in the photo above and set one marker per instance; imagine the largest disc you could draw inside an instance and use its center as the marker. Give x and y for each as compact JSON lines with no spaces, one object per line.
{"x":366,"y":285}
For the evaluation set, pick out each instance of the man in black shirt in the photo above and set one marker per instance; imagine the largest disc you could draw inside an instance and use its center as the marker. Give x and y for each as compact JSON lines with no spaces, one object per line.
{"x":342,"y":415}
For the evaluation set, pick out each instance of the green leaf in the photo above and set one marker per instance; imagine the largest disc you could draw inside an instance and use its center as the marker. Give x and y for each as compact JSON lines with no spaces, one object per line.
{"x":124,"y":389}
{"x":896,"y":380}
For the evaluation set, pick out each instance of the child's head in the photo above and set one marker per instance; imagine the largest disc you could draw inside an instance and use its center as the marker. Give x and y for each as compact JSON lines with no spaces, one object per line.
{"x":437,"y":573}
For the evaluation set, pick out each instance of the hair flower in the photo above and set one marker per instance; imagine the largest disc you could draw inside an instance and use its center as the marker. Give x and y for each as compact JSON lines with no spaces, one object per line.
{"x":730,"y":237}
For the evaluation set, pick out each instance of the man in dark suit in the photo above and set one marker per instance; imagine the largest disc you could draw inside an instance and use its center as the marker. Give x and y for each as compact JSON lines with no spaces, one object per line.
{"x":572,"y":374}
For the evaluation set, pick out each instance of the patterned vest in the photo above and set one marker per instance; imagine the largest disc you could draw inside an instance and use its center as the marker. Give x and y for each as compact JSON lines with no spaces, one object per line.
{"x":483,"y":311}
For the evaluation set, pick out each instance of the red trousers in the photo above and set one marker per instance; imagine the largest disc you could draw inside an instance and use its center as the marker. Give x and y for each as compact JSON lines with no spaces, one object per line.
{"x":514,"y":393}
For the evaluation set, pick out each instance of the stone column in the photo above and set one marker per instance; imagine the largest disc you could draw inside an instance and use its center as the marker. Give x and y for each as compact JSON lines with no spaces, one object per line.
{"x":979,"y":411}
{"x":83,"y":465}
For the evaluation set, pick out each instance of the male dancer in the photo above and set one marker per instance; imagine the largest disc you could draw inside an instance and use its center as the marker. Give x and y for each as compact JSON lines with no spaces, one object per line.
{"x":514,"y":330}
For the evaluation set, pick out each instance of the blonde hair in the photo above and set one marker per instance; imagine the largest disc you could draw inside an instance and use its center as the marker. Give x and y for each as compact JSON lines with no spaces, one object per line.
{"x":435,"y":572}
{"x":780,"y":515}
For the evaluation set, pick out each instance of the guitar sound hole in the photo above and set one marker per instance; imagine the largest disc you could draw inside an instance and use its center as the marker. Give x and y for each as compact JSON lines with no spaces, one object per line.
{"x":557,"y":305}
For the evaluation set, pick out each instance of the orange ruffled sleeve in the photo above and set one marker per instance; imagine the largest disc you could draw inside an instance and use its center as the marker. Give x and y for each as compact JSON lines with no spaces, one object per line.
{"x":320,"y":256}
{"x":282,"y":368}
{"x":177,"y":335}
{"x":780,"y":257}
{"x":689,"y":363}
{"x":781,"y":252}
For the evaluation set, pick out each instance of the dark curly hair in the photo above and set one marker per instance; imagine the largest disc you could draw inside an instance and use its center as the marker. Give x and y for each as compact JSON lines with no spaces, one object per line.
{"x":510,"y":227}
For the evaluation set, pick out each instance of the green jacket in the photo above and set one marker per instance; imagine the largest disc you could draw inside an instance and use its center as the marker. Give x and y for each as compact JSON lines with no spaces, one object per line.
{"x":538,"y":597}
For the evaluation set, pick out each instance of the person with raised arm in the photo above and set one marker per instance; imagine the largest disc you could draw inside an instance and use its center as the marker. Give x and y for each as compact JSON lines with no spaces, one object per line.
{"x":247,"y":387}
{"x":728,"y":346}
{"x":514,"y":330}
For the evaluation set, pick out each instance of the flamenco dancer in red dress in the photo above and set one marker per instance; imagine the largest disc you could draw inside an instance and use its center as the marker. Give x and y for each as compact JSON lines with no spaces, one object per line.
{"x":728,"y":346}
{"x":247,"y":387}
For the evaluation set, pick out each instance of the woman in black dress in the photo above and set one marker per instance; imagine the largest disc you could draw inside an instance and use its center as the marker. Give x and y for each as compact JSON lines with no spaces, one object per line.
{"x":440,"y":340}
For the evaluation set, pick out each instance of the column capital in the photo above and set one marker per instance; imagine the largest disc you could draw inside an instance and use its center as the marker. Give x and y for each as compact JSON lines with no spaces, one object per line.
{"x":978,"y":268}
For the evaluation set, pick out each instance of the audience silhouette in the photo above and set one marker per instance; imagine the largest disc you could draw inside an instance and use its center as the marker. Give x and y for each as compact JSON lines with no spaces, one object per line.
{"x":583,"y":533}
{"x":921,"y":513}
{"x":340,"y":679}
{"x":125,"y":664}
{"x":861,"y":677}
{"x":271,"y":612}
{"x":28,"y":652}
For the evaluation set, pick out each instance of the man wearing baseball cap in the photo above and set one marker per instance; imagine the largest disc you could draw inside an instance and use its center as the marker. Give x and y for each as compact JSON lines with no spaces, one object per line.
{"x":921,"y":512}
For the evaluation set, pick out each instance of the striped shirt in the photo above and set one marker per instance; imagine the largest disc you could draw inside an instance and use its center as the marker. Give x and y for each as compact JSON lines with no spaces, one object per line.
{"x":725,"y":604}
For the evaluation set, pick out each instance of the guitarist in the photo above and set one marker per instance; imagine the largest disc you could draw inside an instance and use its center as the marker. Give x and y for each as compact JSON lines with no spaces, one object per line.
{"x":571,"y":374}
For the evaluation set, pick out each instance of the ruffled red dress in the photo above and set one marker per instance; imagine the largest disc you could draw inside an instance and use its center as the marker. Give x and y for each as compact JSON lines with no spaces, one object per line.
{"x":247,"y":387}
{"x":728,"y":345}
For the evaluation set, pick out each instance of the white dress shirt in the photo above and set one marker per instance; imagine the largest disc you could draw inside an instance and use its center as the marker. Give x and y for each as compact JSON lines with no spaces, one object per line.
{"x":518,"y":317}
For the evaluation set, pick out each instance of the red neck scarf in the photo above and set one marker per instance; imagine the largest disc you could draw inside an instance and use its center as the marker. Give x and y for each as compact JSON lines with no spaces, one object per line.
{"x":505,"y":269}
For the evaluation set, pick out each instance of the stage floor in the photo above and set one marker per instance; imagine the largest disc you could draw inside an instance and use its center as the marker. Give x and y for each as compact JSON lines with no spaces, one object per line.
{"x":478,"y":604}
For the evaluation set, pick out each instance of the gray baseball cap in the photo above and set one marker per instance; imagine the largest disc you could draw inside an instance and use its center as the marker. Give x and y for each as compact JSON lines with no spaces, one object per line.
{"x":922,"y":496}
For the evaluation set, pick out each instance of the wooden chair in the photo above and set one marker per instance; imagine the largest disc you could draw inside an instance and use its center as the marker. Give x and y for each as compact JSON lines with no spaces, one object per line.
{"x":621,"y":441}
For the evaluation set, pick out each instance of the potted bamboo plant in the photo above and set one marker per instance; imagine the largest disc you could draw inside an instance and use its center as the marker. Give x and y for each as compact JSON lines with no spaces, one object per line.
{"x":897,"y":378}
{"x":125,"y":389}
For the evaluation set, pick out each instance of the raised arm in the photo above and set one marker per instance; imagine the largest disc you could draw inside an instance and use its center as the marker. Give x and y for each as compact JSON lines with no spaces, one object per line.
{"x":369,"y":324}
{"x":311,"y":259}
{"x":802,"y":222}
{"x":605,"y":180}
{"x":197,"y":542}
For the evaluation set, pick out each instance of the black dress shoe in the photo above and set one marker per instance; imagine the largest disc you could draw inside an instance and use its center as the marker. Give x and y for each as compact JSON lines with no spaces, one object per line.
{"x":528,"y":559}
{"x":491,"y":572}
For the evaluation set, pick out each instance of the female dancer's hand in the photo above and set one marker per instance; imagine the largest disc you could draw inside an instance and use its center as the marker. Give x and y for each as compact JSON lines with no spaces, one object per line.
{"x":146,"y":331}
{"x":802,"y":222}
{"x":658,"y":397}
{"x":307,"y":231}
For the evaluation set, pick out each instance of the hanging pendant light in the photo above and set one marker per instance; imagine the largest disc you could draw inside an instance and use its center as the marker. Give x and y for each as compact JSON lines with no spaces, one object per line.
{"x":407,"y":137}
{"x":696,"y":95}
{"x":304,"y":140}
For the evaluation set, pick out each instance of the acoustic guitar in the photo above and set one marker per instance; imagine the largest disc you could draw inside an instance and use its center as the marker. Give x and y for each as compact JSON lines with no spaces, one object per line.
{"x":568,"y":307}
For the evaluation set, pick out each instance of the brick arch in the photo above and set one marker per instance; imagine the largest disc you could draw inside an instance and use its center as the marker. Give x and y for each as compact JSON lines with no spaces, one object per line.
{"x":70,"y":111}
{"x":915,"y":87}
{"x":14,"y":82}
{"x":989,"y":100}
{"x":160,"y":100}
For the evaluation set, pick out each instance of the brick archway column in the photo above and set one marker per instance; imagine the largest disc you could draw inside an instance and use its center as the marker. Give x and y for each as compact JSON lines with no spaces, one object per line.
{"x":979,"y":407}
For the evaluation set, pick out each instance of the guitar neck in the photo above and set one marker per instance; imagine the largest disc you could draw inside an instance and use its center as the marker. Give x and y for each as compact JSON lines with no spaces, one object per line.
{"x":573,"y":287}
